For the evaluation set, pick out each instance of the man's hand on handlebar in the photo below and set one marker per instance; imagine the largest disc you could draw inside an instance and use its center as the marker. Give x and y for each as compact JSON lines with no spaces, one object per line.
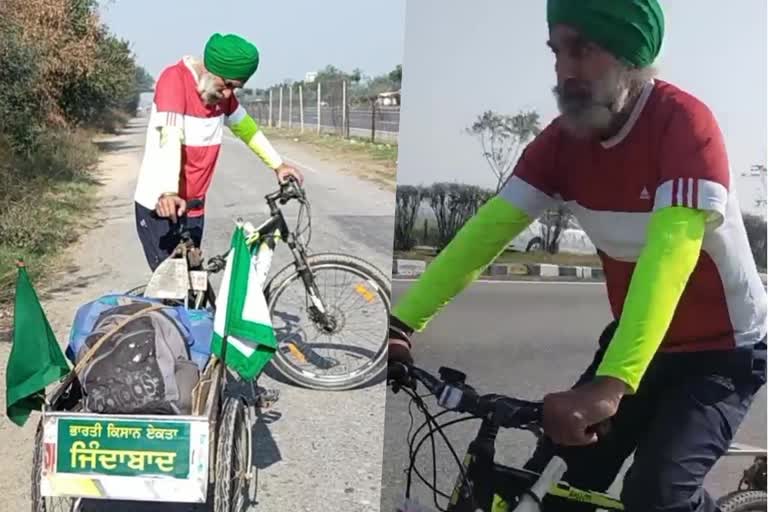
{"x":399,"y":347}
{"x":284,"y":172}
{"x":399,"y":352}
{"x":579,"y":416}
{"x":171,"y":205}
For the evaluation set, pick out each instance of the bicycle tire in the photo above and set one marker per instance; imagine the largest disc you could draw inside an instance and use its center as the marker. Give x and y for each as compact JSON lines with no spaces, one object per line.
{"x":230,"y":463}
{"x":744,"y":501}
{"x":40,"y":502}
{"x":357,"y":266}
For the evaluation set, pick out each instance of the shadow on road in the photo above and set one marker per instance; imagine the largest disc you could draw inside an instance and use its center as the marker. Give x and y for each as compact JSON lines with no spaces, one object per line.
{"x":114,"y":146}
{"x":265,"y":449}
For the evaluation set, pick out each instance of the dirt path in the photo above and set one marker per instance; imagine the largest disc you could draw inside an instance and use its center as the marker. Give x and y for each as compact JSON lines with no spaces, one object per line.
{"x":86,"y":271}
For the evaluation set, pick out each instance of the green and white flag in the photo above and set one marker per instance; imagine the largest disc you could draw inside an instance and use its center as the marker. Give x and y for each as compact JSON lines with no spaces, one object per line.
{"x":242,"y":315}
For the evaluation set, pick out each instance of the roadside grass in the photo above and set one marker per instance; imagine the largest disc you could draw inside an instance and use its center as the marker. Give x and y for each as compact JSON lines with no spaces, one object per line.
{"x":374,"y":161}
{"x":45,"y":200}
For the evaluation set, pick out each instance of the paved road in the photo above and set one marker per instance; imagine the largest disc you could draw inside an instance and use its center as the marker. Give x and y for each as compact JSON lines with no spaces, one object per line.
{"x":523,"y":339}
{"x":314,"y":449}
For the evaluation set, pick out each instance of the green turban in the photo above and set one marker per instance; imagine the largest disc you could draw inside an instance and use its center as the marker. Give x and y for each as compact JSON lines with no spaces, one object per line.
{"x":632,"y":30}
{"x":231,"y":57}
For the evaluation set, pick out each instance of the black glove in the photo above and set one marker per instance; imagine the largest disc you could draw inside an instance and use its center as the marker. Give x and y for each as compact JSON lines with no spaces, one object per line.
{"x":399,"y":350}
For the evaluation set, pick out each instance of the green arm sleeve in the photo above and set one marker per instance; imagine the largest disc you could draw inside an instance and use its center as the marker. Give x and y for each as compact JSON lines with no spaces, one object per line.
{"x":248,"y":130}
{"x":475,"y":246}
{"x":666,"y":263}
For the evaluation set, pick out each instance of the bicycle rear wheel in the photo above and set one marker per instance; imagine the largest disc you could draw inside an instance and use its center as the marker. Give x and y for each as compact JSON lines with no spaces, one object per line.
{"x":744,"y":501}
{"x":352,"y":352}
{"x":42,"y":503}
{"x":231,"y":485}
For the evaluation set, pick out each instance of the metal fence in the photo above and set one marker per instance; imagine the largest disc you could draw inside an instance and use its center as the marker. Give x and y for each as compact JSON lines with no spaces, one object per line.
{"x":327,"y":107}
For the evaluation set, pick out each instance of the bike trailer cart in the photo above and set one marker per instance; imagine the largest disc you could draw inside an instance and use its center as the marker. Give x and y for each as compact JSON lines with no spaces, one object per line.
{"x":200,"y":458}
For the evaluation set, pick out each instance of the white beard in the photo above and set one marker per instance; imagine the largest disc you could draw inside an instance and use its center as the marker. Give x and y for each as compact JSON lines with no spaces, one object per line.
{"x":584,"y":117}
{"x":207,"y":89}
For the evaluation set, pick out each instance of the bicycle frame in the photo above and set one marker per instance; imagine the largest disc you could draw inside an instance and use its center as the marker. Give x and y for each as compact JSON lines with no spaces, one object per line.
{"x":494,"y":487}
{"x":267,"y":234}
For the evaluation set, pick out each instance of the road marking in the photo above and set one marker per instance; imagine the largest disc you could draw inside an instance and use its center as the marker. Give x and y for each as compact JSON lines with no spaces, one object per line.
{"x":499,"y":281}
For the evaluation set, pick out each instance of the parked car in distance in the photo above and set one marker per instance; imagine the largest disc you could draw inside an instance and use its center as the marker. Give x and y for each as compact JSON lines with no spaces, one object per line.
{"x":572,"y":240}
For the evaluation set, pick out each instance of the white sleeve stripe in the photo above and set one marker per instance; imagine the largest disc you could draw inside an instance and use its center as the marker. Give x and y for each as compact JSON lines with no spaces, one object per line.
{"x":236,"y":116}
{"x":693,"y":196}
{"x":161,"y":118}
{"x":525,"y":196}
{"x":692,"y":193}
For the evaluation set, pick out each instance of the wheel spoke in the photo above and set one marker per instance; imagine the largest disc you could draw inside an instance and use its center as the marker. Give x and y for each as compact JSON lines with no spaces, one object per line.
{"x":360,"y":311}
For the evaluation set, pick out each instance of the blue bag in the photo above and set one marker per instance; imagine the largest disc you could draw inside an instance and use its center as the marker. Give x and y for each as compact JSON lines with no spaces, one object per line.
{"x":195,"y":325}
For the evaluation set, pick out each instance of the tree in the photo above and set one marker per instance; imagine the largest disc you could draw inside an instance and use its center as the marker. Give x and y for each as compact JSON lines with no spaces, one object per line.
{"x":20,"y":111}
{"x":756,"y":233}
{"x":553,"y":223}
{"x":144,"y":81}
{"x":502,"y":137}
{"x":408,"y":201}
{"x":396,"y":75}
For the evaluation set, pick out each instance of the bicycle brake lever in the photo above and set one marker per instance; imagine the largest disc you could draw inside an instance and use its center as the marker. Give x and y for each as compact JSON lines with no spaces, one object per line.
{"x":398,"y":377}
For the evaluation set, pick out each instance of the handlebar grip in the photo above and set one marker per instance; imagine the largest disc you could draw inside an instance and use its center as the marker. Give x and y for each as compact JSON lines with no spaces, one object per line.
{"x":602,"y":429}
{"x":397,"y":371}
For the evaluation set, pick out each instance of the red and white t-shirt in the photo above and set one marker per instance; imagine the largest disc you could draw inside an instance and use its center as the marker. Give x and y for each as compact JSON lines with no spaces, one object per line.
{"x":177,"y":103}
{"x":669,"y":153}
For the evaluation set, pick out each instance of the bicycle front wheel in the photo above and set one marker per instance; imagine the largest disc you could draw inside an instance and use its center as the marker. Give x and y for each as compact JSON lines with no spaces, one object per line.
{"x":347,"y":348}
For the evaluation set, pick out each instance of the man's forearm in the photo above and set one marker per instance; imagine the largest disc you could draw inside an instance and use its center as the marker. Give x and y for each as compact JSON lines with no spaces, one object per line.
{"x":475,"y":246}
{"x":675,"y":236}
{"x":248,"y":130}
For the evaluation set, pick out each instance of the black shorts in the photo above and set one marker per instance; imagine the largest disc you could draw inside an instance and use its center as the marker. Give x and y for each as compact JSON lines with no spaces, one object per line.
{"x":159,"y":235}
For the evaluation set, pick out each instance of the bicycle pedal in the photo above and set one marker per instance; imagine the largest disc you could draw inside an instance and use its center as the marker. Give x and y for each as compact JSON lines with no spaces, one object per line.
{"x":266,"y":398}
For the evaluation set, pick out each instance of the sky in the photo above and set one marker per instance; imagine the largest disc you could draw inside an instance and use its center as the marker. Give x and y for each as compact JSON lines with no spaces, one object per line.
{"x":293,"y":37}
{"x":462,"y":58}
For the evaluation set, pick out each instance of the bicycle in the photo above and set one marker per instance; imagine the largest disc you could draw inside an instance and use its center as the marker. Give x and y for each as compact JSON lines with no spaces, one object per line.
{"x":301,"y":356}
{"x":483,"y":485}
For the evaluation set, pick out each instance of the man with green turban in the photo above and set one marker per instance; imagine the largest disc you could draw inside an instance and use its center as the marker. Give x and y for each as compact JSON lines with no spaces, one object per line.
{"x":643,"y":166}
{"x":194,"y":99}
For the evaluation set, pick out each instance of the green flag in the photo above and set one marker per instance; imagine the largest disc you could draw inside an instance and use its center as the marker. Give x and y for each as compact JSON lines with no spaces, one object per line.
{"x":242,"y":315}
{"x":36,"y":359}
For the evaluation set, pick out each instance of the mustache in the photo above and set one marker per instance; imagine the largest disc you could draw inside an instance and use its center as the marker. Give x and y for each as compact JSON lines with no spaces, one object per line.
{"x":574,"y":90}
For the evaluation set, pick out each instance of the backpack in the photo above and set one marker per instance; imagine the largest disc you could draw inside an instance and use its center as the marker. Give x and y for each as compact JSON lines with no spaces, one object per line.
{"x":195,"y":325}
{"x":144,"y":368}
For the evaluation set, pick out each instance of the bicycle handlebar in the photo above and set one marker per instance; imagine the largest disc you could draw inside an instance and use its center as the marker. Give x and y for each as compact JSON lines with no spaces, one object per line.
{"x":289,"y":189}
{"x":452,"y":393}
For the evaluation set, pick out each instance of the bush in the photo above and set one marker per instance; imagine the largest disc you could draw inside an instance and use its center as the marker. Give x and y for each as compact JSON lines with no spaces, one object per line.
{"x":454,"y":204}
{"x":32,"y":217}
{"x":408,"y":201}
{"x":20,"y":109}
